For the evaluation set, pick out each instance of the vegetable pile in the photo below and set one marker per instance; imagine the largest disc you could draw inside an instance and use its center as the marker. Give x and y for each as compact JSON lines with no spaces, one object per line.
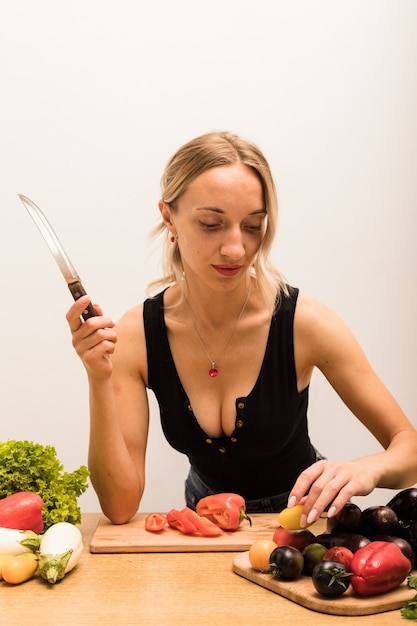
{"x":38,"y":513}
{"x":23,"y":552}
{"x":371,"y":551}
{"x":31,"y":467}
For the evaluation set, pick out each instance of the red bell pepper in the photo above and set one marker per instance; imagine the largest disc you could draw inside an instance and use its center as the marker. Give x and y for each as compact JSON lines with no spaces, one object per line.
{"x":178,"y":520}
{"x":22,"y":511}
{"x":189,"y":522}
{"x":155,"y":522}
{"x":226,"y":510}
{"x":205,"y":527}
{"x":378,"y":567}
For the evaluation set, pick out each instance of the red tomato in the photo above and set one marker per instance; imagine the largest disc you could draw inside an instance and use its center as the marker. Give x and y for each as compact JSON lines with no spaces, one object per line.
{"x":155,"y":522}
{"x":297,"y":538}
{"x":341,"y":555}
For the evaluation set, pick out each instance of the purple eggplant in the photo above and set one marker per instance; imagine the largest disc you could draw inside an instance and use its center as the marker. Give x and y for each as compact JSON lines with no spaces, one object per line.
{"x":353,"y":541}
{"x":379,"y":520}
{"x":404,"y":503}
{"x":346,"y":521}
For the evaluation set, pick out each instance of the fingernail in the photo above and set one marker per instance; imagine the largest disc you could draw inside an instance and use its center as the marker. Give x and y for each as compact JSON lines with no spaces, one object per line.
{"x":291,"y":501}
{"x":331,"y":511}
{"x":303,"y":520}
{"x":312,"y":516}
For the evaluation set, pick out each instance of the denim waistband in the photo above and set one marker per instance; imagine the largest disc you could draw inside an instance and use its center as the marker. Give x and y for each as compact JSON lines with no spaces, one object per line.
{"x":195,"y":489}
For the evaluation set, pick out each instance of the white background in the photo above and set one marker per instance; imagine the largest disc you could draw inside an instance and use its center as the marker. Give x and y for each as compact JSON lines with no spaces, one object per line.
{"x":96,"y":96}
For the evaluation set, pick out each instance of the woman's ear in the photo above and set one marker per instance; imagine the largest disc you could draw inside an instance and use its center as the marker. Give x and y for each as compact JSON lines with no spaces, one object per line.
{"x":166,"y":215}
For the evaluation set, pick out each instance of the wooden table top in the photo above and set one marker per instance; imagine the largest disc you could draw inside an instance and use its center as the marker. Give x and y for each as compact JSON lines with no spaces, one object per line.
{"x":157,"y":588}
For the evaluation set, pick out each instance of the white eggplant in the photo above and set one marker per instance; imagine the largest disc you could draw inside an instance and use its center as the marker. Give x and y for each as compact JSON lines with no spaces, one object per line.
{"x":17,"y":542}
{"x":60,"y":550}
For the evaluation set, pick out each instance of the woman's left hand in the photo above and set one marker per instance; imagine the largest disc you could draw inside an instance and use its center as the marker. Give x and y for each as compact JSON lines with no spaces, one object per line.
{"x":331,"y":484}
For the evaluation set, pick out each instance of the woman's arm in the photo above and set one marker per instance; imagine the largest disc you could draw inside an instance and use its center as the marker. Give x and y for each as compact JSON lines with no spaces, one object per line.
{"x":119,"y":411}
{"x":322,"y":340}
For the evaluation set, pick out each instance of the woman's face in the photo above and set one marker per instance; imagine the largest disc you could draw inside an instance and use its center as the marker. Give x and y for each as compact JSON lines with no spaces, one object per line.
{"x":220,"y":222}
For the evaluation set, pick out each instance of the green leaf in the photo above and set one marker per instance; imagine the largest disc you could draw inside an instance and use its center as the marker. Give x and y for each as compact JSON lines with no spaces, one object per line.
{"x":409,"y":610}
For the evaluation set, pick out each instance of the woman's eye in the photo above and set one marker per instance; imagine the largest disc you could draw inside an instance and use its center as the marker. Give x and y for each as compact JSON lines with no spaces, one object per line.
{"x":254,"y":228}
{"x":209,"y":226}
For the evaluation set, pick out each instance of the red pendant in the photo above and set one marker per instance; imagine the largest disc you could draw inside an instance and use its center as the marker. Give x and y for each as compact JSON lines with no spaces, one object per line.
{"x":213,"y":372}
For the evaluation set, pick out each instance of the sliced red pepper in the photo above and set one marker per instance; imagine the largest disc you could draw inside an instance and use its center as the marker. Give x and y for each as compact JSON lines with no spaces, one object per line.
{"x":378,"y":567}
{"x":155,"y":522}
{"x":178,"y":520}
{"x":205,"y":527}
{"x":226,"y":510}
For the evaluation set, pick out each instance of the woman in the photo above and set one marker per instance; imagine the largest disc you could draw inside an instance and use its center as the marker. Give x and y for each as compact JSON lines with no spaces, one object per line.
{"x":229,"y":349}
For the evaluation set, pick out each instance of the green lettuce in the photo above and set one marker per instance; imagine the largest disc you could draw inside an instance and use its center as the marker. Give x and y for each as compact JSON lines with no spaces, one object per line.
{"x":28,"y":466}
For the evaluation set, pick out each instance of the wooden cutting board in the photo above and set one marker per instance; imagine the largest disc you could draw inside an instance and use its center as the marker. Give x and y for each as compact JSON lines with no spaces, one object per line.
{"x":302,"y":592}
{"x":133,"y":537}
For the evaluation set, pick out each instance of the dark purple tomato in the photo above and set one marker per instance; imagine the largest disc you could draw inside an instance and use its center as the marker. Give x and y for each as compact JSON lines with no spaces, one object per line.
{"x":379,"y":519}
{"x":347,"y":520}
{"x":286,"y":562}
{"x":404,"y":503}
{"x":330,"y":578}
{"x":313,"y":554}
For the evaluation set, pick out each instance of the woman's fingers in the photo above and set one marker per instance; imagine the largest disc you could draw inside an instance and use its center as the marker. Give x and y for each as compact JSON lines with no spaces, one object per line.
{"x":94,"y":340}
{"x":328,"y":484}
{"x":74,"y":313}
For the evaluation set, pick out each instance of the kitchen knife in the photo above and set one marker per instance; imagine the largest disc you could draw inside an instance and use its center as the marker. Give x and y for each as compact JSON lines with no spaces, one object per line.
{"x":64,"y":264}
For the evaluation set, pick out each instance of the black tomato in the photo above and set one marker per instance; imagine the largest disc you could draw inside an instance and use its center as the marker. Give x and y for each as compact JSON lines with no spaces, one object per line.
{"x":286,"y":562}
{"x":330,"y":578}
{"x":313,"y":554}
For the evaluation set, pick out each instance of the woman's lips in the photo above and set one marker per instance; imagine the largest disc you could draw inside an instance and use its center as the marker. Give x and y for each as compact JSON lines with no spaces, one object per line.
{"x":228,"y":270}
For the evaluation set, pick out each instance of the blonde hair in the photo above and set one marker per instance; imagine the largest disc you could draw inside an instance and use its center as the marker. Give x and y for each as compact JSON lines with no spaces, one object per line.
{"x":191,"y":160}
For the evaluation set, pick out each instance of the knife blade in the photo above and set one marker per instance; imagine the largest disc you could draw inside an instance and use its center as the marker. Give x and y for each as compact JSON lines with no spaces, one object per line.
{"x":72,"y":279}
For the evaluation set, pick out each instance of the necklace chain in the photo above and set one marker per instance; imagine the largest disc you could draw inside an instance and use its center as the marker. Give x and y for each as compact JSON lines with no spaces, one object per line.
{"x":213,"y":371}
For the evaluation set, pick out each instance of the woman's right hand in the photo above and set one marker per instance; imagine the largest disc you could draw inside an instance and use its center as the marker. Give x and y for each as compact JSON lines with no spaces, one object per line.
{"x":94,"y":340}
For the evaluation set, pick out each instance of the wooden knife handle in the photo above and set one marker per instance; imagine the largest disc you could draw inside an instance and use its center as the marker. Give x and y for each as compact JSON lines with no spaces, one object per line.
{"x":77,"y":291}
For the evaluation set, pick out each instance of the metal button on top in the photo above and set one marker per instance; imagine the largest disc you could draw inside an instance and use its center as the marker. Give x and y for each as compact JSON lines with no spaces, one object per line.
{"x":233,"y":439}
{"x":222,"y":450}
{"x":240,"y":405}
{"x":239,"y":423}
{"x":209,"y":440}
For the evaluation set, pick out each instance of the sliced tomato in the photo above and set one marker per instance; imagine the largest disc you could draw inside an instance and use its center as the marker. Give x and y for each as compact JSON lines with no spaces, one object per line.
{"x":155,"y":522}
{"x":178,"y":520}
{"x":205,"y":527}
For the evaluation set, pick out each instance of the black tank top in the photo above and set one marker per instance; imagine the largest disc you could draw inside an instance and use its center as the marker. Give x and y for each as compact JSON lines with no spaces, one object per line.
{"x":270,"y":444}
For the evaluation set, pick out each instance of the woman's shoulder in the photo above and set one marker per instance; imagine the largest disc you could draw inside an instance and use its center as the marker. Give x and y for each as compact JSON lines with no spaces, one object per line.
{"x":320,"y":329}
{"x":131,"y":318}
{"x":310,"y":310}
